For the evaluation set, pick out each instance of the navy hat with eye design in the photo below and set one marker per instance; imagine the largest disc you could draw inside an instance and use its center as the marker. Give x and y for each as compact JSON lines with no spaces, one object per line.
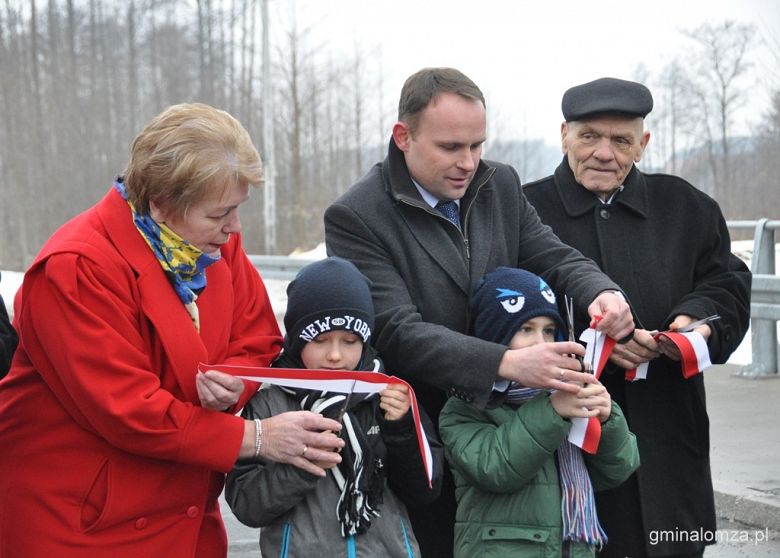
{"x":506,"y":298}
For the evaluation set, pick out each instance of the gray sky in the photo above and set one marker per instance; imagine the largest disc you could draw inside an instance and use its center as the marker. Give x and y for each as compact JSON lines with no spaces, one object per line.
{"x":524,"y":54}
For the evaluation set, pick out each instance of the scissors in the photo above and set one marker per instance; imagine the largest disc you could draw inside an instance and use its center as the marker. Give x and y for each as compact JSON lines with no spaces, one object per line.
{"x":346,"y":403}
{"x":693,"y":325}
{"x":569,"y":304}
{"x":344,"y":406}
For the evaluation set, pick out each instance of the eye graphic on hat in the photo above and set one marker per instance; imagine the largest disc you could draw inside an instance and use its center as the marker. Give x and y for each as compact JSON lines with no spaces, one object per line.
{"x":512,"y":301}
{"x":546,"y":291}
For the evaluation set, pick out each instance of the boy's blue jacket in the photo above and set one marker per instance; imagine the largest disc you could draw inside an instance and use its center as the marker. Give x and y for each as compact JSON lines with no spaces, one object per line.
{"x":297,"y":511}
{"x":506,"y":479}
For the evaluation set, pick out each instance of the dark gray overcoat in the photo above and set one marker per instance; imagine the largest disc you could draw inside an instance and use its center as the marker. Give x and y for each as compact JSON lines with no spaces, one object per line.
{"x":667,"y":245}
{"x":423,"y":269}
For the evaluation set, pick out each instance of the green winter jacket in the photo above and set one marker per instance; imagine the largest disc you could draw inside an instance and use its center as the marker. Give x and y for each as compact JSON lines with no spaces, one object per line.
{"x":506,"y":478}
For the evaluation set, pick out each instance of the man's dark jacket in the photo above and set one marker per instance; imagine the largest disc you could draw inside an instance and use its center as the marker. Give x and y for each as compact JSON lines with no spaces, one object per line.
{"x":667,"y":245}
{"x":423,"y":269}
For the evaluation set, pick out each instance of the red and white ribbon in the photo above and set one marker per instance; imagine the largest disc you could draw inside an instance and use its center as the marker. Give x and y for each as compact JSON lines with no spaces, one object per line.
{"x":338,"y":381}
{"x":638,"y":373}
{"x":598,"y":348}
{"x":694,"y":355}
{"x":585,"y":433}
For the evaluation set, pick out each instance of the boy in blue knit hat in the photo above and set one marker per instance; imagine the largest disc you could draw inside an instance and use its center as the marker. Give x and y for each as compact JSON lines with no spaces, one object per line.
{"x":522,"y":488}
{"x":358,"y":509}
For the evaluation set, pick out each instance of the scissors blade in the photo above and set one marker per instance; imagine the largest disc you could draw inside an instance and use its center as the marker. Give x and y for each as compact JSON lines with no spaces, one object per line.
{"x":693,"y":325}
{"x":569,"y":303}
{"x":346,"y":402}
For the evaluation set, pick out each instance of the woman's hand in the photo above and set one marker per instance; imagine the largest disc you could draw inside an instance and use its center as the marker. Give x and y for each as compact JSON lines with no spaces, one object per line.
{"x":218,"y":391}
{"x":300,"y":438}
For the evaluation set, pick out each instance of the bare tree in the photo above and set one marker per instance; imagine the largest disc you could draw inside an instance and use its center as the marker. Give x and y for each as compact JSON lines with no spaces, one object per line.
{"x":357,"y":96}
{"x":720,"y":66}
{"x":673,"y":122}
{"x":80,"y":76}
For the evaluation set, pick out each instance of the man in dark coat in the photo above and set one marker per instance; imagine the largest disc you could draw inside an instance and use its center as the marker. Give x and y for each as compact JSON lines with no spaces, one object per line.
{"x":8,"y":340}
{"x":424,"y":265}
{"x":667,"y":245}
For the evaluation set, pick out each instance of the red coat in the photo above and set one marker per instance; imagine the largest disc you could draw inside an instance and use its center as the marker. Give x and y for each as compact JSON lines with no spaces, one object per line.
{"x":104,"y":449}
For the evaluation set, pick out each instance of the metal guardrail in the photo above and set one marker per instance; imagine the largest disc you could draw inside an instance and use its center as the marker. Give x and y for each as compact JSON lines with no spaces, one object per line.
{"x":278,"y":267}
{"x":764,"y":300}
{"x":764,"y":306}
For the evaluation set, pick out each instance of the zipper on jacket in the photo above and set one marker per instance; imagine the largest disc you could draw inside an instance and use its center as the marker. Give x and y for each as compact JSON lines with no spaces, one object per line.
{"x":408,"y":546}
{"x":425,"y":207}
{"x":464,"y":222}
{"x":285,"y":548}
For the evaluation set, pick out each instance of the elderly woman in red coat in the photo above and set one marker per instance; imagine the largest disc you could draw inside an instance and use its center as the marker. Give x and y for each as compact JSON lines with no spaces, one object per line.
{"x":111,"y":442}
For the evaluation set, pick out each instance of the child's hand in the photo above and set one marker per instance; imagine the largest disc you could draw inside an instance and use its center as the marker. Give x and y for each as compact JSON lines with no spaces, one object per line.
{"x":569,"y":405}
{"x":395,"y":401}
{"x":596,"y":397}
{"x":590,"y":401}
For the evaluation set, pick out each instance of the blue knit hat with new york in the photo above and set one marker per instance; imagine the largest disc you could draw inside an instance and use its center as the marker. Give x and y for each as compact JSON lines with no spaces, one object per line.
{"x":330,"y":294}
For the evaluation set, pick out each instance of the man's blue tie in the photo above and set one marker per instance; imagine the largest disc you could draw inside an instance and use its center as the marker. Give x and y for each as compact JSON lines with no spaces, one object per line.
{"x":450,"y":210}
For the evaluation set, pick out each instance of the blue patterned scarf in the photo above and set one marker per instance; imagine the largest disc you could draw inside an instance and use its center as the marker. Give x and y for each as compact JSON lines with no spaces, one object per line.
{"x":578,"y":506}
{"x":184,"y":264}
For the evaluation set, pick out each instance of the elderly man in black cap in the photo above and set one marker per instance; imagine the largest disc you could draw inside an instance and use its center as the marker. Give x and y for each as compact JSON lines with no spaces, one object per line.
{"x":667,"y":245}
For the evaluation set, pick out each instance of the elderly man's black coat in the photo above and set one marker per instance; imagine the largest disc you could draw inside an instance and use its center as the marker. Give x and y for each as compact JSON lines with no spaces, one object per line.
{"x":667,"y":245}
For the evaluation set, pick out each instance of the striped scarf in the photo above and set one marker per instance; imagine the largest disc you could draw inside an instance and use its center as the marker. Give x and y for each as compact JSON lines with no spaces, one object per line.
{"x":360,"y":476}
{"x":578,"y":506}
{"x":183,"y":264}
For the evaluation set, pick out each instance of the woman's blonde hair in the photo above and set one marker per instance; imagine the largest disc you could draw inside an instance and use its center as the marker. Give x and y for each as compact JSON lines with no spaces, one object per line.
{"x":185,"y":153}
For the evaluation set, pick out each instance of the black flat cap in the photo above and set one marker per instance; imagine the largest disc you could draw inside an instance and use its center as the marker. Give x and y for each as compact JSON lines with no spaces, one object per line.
{"x":606,"y":96}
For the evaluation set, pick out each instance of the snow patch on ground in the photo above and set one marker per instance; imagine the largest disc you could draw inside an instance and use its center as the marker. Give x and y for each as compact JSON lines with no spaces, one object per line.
{"x":10,"y":281}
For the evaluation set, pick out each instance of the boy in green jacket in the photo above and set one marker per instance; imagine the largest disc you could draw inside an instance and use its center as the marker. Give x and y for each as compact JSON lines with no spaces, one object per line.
{"x":522,"y":488}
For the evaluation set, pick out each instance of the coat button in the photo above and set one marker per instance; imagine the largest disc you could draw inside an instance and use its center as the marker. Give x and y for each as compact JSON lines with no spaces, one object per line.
{"x":492,"y":532}
{"x":604,"y":213}
{"x":141,"y":522}
{"x":537,"y":536}
{"x":192,"y":511}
